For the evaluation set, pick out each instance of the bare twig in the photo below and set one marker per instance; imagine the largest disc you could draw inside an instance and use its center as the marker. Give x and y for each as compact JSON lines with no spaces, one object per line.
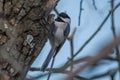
{"x":39,"y":69}
{"x":56,"y":11}
{"x":81,"y":78}
{"x":114,"y":33}
{"x":37,"y":77}
{"x":94,"y":4}
{"x":79,"y":18}
{"x":71,"y":39}
{"x":51,"y":68}
{"x":110,"y":72}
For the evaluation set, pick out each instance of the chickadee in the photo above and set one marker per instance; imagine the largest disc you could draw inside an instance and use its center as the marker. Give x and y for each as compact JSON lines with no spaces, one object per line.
{"x":60,"y":29}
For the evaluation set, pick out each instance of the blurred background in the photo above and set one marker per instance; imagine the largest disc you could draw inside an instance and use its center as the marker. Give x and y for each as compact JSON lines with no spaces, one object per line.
{"x":92,"y":13}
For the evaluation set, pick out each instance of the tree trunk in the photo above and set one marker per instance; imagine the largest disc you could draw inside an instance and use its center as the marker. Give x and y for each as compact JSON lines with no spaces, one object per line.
{"x":24,"y":29}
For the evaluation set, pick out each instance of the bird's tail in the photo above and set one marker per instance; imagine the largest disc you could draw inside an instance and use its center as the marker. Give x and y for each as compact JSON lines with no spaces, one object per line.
{"x":46,"y":62}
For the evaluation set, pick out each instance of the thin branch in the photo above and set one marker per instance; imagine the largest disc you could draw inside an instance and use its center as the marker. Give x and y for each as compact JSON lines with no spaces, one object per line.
{"x":110,"y":72}
{"x":79,"y":18}
{"x":114,"y":33}
{"x":56,"y":11}
{"x":51,"y":68}
{"x":94,"y":5}
{"x":37,"y":77}
{"x":55,"y":70}
{"x":111,"y":59}
{"x":71,"y":40}
{"x":81,"y":78}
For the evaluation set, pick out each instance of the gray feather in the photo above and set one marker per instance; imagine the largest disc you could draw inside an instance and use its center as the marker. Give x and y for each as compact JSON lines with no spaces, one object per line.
{"x":47,"y":61}
{"x":67,"y":31}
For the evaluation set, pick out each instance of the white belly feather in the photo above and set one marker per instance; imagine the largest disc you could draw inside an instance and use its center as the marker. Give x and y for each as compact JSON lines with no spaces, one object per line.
{"x":59,"y":37}
{"x":59,"y":34}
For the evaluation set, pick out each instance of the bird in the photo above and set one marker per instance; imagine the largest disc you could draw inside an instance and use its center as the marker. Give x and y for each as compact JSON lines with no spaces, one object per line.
{"x":60,"y":29}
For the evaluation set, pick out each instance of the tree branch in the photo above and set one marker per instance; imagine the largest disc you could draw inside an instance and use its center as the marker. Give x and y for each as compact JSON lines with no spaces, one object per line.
{"x":80,"y":13}
{"x":102,"y":54}
{"x":114,"y":33}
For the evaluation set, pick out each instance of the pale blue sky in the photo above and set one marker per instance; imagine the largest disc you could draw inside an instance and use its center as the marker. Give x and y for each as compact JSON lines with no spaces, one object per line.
{"x":90,"y":21}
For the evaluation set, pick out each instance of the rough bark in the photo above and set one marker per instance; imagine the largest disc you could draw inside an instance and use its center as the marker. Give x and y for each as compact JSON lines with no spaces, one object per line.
{"x":24,"y":29}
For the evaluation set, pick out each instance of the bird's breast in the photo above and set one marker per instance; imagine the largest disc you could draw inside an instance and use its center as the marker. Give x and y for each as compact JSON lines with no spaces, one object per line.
{"x":59,"y":36}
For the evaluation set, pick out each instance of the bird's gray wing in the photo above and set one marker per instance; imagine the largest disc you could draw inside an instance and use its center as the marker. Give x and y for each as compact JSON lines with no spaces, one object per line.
{"x":52,"y":29}
{"x":67,"y":31}
{"x":47,"y":60}
{"x":53,"y":48}
{"x":52,"y":33}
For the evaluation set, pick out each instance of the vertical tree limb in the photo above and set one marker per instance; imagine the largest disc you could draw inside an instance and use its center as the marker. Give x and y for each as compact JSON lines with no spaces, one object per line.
{"x":114,"y":33}
{"x":80,"y":12}
{"x":21,"y":43}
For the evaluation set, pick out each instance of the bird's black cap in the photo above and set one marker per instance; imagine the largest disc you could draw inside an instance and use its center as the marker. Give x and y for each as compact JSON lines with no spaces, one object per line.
{"x":64,"y":15}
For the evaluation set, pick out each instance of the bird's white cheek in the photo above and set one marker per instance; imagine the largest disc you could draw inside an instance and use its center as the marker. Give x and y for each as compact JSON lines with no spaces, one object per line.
{"x":67,"y":20}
